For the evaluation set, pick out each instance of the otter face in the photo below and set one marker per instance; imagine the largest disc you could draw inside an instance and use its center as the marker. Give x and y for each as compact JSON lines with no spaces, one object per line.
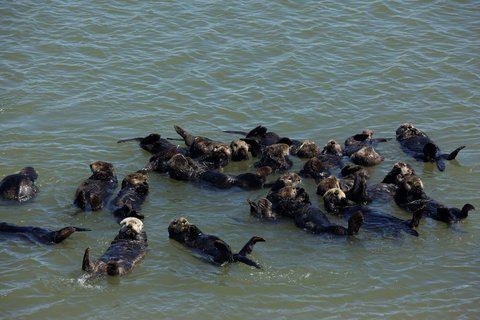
{"x":136,"y":178}
{"x":404,"y":168}
{"x":131,"y":225}
{"x":222,"y":149}
{"x":29,"y":172}
{"x":290,"y":179}
{"x":279,"y":149}
{"x":178,"y":226}
{"x":413,"y":183}
{"x":335,"y":195}
{"x":333,"y":147}
{"x":239,"y":150}
{"x":101,"y":166}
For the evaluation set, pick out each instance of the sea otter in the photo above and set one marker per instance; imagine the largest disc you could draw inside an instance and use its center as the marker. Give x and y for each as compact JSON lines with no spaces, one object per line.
{"x":331,"y":155}
{"x":276,"y":157}
{"x":366,"y":156}
{"x":360,"y":140}
{"x":336,"y":202}
{"x":19,"y":186}
{"x":94,"y":192}
{"x":133,"y":193}
{"x":211,"y":247}
{"x":127,"y":249}
{"x":155,"y":144}
{"x":37,"y":234}
{"x":385,"y":190}
{"x":411,"y":191}
{"x":308,"y":218}
{"x":416,"y":143}
{"x":201,"y":146}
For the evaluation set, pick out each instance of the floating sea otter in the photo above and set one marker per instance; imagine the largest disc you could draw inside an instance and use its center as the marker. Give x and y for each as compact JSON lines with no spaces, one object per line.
{"x":416,"y":143}
{"x":19,"y":186}
{"x":37,"y":234}
{"x":133,"y":193}
{"x":127,"y":249}
{"x":211,"y":247}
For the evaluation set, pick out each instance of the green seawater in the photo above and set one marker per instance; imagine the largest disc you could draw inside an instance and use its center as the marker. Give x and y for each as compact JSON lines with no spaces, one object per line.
{"x":75,"y":77}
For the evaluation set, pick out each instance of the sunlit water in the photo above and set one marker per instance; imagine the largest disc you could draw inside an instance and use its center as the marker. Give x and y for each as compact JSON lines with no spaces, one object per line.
{"x":75,"y":77}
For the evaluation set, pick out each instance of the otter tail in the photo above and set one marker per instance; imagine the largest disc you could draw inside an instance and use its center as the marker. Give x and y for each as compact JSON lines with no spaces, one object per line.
{"x":241,"y":256}
{"x":354,"y":223}
{"x":86,"y":264}
{"x":454,"y":153}
{"x":188,"y":138}
{"x":243,"y":133}
{"x":62,"y":234}
{"x":139,"y":139}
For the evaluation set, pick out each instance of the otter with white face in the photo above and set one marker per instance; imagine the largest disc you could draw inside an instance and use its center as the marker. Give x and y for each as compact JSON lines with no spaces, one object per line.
{"x":211,"y":247}
{"x":125,"y":252}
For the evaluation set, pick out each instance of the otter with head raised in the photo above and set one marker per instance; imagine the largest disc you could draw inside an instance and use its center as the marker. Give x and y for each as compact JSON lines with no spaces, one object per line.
{"x":211,"y":247}
{"x":127,"y":249}
{"x":417,"y":144}
{"x":133,"y":193}
{"x":411,"y":192}
{"x":336,"y":202}
{"x":37,"y":234}
{"x":94,"y":192}
{"x":19,"y":186}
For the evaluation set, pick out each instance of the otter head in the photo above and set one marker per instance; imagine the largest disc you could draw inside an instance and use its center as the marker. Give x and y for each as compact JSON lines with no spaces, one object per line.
{"x":179,"y":229}
{"x":222,"y":150}
{"x":407,"y":130}
{"x":279,"y":150}
{"x":102,"y":167}
{"x":131,"y":227}
{"x":290,"y":179}
{"x":239,"y":150}
{"x":30,"y":173}
{"x":333,"y":147}
{"x":335,"y":199}
{"x":308,"y":149}
{"x":399,"y":171}
{"x":326,"y":184}
{"x":134,"y":179}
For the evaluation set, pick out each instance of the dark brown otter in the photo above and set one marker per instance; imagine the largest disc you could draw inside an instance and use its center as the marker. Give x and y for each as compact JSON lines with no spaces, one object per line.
{"x":417,"y":144}
{"x":385,"y":190}
{"x":336,"y":202}
{"x":133,"y":193}
{"x":211,"y":247}
{"x":411,"y":192}
{"x":366,"y":156}
{"x":127,"y":249}
{"x":19,"y":186}
{"x":37,"y":234}
{"x":276,"y":157}
{"x":94,"y":192}
{"x":364,"y":139}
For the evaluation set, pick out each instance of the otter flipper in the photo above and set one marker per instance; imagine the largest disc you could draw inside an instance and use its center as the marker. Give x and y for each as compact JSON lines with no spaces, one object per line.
{"x":454,"y":153}
{"x":188,"y":138}
{"x":86,"y":264}
{"x":248,"y":247}
{"x":62,"y":234}
{"x":354,"y":223}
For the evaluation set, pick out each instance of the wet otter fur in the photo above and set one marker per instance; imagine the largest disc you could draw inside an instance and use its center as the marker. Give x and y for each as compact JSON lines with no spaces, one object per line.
{"x":127,"y":249}
{"x":336,"y":202}
{"x":360,"y":140}
{"x":385,"y":190}
{"x":211,"y":247}
{"x":133,"y":193}
{"x":19,"y":186}
{"x":37,"y":234}
{"x":417,"y":144}
{"x":411,"y":191}
{"x":366,"y":156}
{"x":94,"y":192}
{"x":276,"y":157}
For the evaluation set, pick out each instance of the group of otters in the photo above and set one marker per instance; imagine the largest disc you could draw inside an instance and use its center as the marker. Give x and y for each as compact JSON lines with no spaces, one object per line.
{"x":347,"y":196}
